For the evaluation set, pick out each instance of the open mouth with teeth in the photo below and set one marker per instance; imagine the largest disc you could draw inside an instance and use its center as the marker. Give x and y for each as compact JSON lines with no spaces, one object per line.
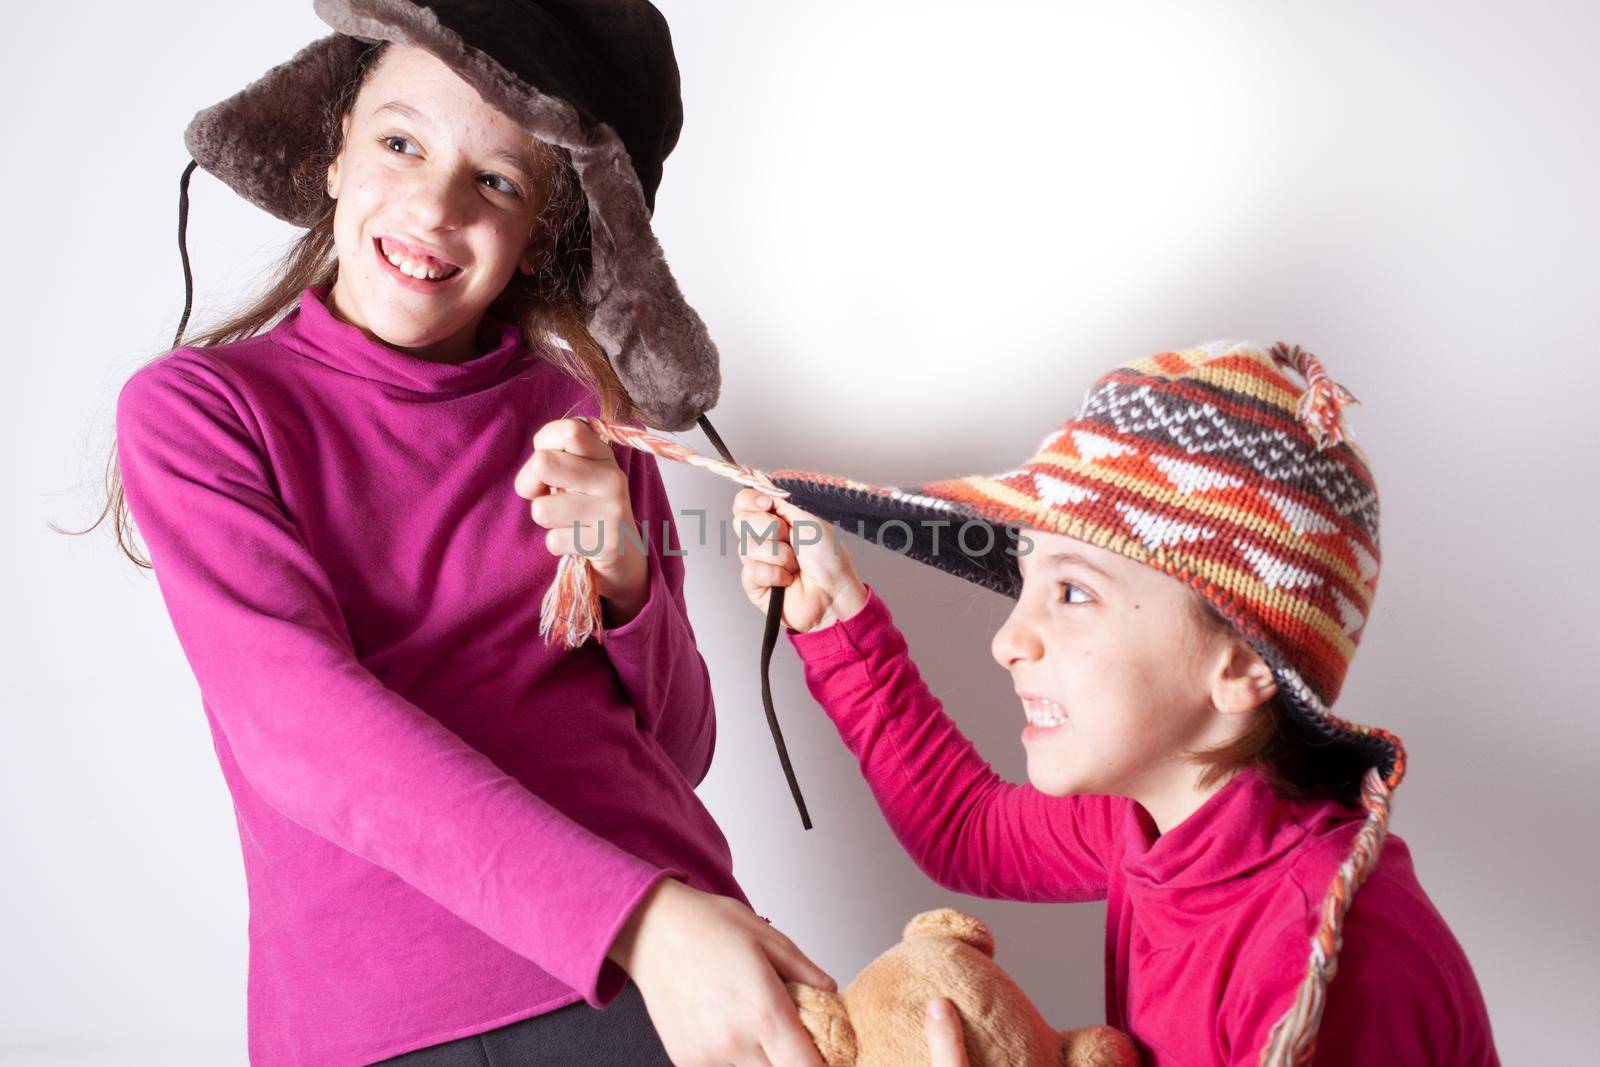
{"x":1044,"y":713}
{"x":415,"y":264}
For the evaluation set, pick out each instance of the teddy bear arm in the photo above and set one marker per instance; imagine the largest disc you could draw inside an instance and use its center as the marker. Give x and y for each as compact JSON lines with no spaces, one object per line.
{"x":827,"y":1020}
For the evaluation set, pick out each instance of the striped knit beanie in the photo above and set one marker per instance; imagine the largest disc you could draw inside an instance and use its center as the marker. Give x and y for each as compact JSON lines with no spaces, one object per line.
{"x":1212,"y":465}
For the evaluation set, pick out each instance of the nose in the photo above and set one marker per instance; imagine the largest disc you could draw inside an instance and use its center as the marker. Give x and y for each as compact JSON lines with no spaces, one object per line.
{"x":1017,"y":640}
{"x":438,"y":198}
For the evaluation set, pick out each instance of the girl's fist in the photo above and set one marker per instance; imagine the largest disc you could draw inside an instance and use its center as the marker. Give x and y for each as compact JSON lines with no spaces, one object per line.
{"x":780,"y":545}
{"x":576,"y":488}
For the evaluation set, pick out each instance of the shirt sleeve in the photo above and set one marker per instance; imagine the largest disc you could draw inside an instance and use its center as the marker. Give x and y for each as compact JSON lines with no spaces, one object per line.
{"x":316,"y":734}
{"x":963,"y":825}
{"x":654,"y":653}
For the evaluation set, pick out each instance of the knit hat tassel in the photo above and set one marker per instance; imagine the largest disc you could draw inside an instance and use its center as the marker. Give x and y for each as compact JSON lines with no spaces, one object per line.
{"x":571,"y":606}
{"x":1322,"y":404}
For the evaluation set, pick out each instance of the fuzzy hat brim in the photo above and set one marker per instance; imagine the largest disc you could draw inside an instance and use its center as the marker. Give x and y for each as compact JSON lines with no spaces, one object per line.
{"x":257,"y":140}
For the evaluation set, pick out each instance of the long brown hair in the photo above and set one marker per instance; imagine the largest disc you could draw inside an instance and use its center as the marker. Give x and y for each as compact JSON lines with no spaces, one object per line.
{"x":1294,"y":765}
{"x":545,"y":304}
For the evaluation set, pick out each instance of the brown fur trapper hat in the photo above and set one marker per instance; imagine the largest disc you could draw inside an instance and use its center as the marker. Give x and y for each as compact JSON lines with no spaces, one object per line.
{"x":596,"y":77}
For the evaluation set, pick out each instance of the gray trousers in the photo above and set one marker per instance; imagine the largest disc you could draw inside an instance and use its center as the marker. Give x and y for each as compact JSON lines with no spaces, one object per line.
{"x":577,"y":1034}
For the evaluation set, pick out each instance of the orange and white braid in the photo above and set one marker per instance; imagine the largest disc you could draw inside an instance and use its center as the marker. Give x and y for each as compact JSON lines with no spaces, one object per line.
{"x":1294,"y":1035}
{"x":570,"y":610}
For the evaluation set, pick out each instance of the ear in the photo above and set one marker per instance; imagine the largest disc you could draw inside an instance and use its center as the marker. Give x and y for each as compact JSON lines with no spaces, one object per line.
{"x":827,"y":1020}
{"x":1242,"y":681}
{"x":333,"y":168}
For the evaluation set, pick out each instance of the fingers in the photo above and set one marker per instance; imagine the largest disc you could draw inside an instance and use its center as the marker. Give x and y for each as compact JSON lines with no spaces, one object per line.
{"x":752,"y":499}
{"x":797,"y":528}
{"x":757,"y":576}
{"x":550,"y":469}
{"x":760,"y":544}
{"x":763,"y":536}
{"x":747,"y":499}
{"x":561,"y":510}
{"x":528,"y":483}
{"x":791,"y":1046}
{"x":945,"y":1045}
{"x":791,"y":513}
{"x":787,"y":1042}
{"x":568,"y":455}
{"x":748,"y":506}
{"x":793,"y":965}
{"x":574,"y":436}
{"x":747,"y":1057}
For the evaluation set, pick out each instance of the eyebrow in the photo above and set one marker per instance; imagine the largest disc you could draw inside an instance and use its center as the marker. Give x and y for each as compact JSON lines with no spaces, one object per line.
{"x":504,"y":156}
{"x":1058,"y":558}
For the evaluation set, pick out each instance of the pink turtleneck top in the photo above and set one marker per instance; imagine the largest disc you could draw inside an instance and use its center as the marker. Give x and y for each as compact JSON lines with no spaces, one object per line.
{"x":444,"y":822}
{"x":1208,"y":926}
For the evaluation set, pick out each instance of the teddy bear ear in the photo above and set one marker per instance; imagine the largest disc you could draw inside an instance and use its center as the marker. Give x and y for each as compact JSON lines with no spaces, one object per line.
{"x":954,"y":925}
{"x":827,"y":1020}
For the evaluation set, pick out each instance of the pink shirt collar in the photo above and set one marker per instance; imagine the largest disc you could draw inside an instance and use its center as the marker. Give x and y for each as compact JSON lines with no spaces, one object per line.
{"x":312,"y":330}
{"x":1218,"y":855}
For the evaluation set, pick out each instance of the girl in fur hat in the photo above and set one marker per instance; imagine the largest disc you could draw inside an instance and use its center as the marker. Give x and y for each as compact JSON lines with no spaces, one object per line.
{"x":461,"y":841}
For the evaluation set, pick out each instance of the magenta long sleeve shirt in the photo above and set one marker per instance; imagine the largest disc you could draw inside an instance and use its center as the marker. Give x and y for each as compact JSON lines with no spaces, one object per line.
{"x":444,"y":822}
{"x":1208,"y":926}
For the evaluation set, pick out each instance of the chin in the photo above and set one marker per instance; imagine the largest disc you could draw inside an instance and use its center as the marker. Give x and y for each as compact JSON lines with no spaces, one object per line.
{"x":404,"y":326}
{"x":1052,"y":780}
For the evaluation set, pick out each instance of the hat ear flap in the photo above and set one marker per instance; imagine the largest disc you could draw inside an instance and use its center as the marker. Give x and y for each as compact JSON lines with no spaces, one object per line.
{"x":658,"y":344}
{"x":258,"y":141}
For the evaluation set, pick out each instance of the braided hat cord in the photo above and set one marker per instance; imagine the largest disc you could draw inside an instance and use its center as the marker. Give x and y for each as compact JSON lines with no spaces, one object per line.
{"x":570,"y":611}
{"x":1294,"y":1035}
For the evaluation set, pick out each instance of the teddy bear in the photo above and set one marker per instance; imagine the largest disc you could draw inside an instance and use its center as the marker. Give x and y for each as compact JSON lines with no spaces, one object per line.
{"x":876,"y":1020}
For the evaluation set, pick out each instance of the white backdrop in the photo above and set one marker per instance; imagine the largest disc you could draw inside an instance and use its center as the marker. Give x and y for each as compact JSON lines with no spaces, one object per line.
{"x":917,"y":231}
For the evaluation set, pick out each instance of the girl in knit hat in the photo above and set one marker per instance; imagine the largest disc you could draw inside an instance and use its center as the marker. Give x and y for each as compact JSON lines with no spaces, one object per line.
{"x":1194,"y":555}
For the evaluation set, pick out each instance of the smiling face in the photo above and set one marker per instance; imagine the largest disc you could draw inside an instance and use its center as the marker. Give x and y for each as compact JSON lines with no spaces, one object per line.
{"x":436,"y":178}
{"x":1118,"y":675}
